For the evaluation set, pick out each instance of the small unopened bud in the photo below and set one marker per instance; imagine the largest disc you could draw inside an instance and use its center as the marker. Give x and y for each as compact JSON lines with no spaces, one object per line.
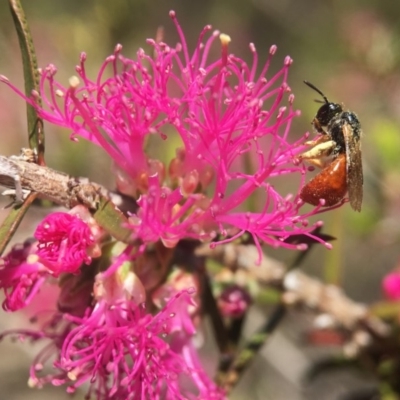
{"x":157,"y":167}
{"x":206,"y":176}
{"x":190,"y":183}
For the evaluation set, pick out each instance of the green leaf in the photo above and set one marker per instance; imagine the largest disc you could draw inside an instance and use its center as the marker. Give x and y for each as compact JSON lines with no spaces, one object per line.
{"x":12,"y":221}
{"x":113,"y":221}
{"x":31,"y":77}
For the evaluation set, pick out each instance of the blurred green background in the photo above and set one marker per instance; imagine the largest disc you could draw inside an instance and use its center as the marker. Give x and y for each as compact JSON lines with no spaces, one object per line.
{"x":350,"y":49}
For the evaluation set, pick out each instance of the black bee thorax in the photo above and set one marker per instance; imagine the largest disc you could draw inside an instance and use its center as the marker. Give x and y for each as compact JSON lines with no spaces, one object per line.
{"x":353,"y":121}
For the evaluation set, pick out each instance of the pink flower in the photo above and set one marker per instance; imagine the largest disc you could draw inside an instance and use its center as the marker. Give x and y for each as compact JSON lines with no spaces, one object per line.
{"x":391,"y":286}
{"x":63,"y":241}
{"x":21,"y":275}
{"x":122,"y":351}
{"x":233,"y":126}
{"x":234,"y":301}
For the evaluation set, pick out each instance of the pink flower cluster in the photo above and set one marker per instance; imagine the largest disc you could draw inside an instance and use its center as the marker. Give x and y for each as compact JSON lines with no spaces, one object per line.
{"x":125,"y":352}
{"x":232,"y":124}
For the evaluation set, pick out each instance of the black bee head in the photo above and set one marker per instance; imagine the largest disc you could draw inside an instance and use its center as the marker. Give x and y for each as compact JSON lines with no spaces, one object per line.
{"x":328,"y":111}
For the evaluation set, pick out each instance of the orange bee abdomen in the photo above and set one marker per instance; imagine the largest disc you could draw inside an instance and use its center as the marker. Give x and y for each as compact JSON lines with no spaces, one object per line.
{"x":330,"y":184}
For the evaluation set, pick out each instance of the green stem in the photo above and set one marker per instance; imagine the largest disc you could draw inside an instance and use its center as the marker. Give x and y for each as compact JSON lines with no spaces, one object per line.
{"x":31,"y":78}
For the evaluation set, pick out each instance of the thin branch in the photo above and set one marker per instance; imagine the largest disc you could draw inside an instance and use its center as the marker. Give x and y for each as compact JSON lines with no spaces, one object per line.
{"x":298,"y":288}
{"x":329,"y":302}
{"x":23,"y":176}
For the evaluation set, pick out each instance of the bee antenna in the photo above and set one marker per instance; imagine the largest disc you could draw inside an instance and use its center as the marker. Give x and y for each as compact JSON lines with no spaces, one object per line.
{"x":317,"y":90}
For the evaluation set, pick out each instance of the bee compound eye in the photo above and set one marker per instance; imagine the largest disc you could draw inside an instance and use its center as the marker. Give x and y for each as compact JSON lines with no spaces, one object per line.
{"x":334,"y":108}
{"x":324,"y":114}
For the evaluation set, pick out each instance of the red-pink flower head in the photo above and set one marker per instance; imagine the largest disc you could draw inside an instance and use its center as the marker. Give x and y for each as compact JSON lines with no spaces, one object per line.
{"x":391,"y":286}
{"x":123,"y":352}
{"x":21,"y":275}
{"x":233,"y":125}
{"x":63,"y":242}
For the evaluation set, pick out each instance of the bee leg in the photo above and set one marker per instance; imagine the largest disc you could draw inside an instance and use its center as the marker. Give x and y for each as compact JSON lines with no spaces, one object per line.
{"x":321,"y":139}
{"x":319,"y":151}
{"x":317,"y":162}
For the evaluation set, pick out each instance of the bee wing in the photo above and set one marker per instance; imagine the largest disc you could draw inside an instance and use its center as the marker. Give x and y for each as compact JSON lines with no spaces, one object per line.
{"x":354,"y":166}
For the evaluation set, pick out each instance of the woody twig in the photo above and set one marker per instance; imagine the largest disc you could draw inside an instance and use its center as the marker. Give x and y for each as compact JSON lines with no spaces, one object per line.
{"x":22,"y":175}
{"x":298,"y":288}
